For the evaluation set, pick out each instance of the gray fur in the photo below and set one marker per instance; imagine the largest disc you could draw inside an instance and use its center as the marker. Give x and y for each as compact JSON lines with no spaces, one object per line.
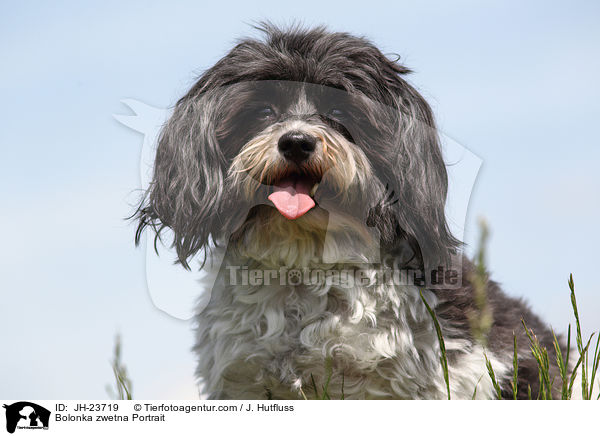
{"x":252,"y":339}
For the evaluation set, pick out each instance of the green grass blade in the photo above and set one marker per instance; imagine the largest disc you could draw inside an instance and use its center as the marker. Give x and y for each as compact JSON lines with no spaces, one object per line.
{"x":329,"y":372}
{"x":475,"y":390}
{"x":595,"y":364}
{"x":123,"y":384}
{"x":580,"y":362}
{"x":568,"y":346}
{"x":314,"y":385}
{"x":488,"y":364}
{"x":562,"y":368}
{"x":573,"y":374}
{"x":579,"y":338}
{"x":443,"y":358}
{"x":540,"y":354}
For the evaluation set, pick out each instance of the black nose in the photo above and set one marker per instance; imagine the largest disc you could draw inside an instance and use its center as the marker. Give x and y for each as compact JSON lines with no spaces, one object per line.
{"x":297,"y":146}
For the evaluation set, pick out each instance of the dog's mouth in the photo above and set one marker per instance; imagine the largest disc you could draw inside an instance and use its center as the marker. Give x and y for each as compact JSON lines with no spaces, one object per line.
{"x":293,"y":195}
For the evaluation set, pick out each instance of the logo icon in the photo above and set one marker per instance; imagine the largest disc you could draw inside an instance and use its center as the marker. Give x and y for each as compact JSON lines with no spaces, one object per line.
{"x":26,"y":415}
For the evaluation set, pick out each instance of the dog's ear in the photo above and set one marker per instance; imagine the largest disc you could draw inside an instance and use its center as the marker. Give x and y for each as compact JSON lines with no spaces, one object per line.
{"x":417,"y":175}
{"x":187,"y":183}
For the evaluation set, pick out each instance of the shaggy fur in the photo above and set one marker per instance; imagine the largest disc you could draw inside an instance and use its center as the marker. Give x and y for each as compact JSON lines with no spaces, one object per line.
{"x":379,"y":184}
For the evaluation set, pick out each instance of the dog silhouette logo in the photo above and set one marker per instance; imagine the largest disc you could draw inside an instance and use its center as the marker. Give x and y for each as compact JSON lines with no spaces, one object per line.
{"x":26,"y":415}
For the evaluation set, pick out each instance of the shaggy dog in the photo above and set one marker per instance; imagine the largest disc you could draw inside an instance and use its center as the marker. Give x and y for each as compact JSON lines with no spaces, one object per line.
{"x":314,"y":168}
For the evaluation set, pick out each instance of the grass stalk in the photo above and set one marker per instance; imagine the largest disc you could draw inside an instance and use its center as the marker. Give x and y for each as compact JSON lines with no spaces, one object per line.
{"x":515,"y":380}
{"x":438,"y":330}
{"x":123,"y":385}
{"x":492,"y":375}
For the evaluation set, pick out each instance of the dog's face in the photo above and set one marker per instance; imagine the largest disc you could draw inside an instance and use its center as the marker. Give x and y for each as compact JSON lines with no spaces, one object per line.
{"x":303,"y":132}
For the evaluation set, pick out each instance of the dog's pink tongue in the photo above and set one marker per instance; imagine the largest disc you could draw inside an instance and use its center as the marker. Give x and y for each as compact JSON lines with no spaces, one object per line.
{"x":292,"y":199}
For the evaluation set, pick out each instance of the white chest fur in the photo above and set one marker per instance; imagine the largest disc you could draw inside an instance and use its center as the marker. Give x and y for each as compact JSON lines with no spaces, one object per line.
{"x":375,"y":340}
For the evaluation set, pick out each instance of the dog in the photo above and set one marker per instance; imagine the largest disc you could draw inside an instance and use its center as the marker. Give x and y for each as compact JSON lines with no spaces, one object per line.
{"x":301,"y":157}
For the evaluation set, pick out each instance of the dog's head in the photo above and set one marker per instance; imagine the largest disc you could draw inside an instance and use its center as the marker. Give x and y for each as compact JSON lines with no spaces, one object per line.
{"x":298,"y":132}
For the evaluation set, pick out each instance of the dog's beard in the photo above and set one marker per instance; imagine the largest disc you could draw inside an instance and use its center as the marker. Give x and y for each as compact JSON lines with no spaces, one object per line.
{"x":339,"y":180}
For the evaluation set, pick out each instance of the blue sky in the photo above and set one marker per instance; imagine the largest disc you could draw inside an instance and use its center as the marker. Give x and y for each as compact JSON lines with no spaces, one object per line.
{"x":515,"y":83}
